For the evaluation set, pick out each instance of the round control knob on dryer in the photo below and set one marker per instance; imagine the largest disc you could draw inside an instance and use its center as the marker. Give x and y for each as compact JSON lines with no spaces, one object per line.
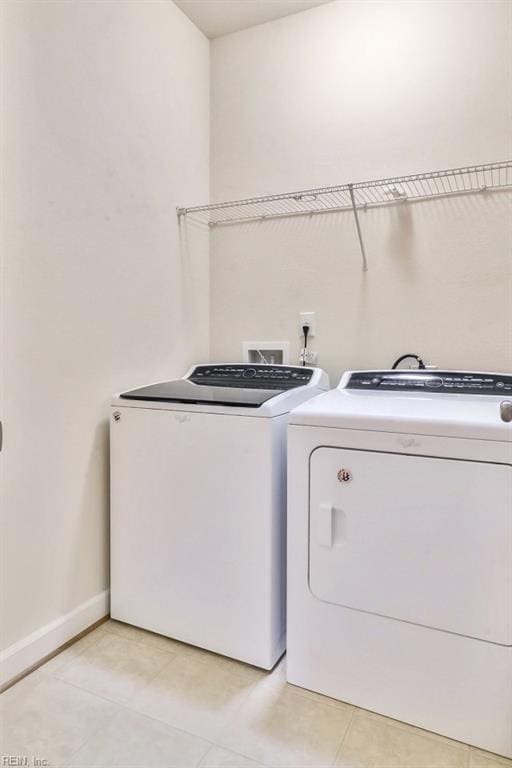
{"x":434,"y":383}
{"x":376,"y":380}
{"x":249,"y":373}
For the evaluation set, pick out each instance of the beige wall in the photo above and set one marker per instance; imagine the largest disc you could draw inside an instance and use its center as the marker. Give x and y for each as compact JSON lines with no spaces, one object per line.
{"x":352,"y":91}
{"x":105,"y":131}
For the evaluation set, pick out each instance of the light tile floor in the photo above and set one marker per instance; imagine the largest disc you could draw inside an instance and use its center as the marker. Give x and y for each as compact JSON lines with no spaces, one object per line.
{"x":121,"y":697}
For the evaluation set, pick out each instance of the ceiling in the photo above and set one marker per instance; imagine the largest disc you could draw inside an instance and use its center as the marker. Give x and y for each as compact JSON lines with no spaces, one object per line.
{"x":220,"y":17}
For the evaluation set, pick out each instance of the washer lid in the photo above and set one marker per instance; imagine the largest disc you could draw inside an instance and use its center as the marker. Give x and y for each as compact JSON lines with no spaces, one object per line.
{"x":425,"y":410}
{"x":185,"y":391}
{"x":229,"y":384}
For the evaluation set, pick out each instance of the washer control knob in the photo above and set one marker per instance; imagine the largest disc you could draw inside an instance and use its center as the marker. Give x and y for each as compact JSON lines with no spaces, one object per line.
{"x":506,"y":410}
{"x":249,"y":373}
{"x":376,"y":380}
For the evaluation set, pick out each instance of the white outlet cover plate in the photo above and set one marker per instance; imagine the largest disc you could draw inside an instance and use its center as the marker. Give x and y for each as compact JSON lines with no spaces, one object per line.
{"x":311,"y":358}
{"x":308,"y":318}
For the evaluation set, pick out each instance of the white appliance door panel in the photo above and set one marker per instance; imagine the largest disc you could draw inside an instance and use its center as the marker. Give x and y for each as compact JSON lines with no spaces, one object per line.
{"x":193,"y":524}
{"x":419,"y":539}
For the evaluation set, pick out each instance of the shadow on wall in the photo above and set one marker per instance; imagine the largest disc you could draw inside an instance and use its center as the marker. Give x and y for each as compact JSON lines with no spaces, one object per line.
{"x":92,"y":525}
{"x":194,"y":246}
{"x":400,"y":240}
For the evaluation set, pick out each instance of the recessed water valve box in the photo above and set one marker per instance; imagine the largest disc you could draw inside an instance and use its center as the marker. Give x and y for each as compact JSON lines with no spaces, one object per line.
{"x":269,"y":352}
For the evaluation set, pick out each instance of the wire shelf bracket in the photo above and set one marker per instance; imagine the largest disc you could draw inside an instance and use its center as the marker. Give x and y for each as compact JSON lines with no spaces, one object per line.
{"x":355,"y":197}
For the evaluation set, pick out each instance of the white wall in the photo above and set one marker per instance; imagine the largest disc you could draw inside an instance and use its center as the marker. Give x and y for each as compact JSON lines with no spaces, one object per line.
{"x":105,"y":131}
{"x":352,"y":91}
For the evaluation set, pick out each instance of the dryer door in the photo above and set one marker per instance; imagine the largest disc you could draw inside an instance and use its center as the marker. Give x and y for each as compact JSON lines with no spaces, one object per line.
{"x":423,"y":540}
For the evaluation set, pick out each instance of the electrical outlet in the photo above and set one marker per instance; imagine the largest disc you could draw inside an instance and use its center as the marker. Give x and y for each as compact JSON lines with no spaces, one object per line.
{"x":308,"y":318}
{"x":311,"y":358}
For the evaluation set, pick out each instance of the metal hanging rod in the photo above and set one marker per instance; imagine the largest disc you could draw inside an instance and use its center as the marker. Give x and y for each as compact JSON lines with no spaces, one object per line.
{"x":356,"y":196}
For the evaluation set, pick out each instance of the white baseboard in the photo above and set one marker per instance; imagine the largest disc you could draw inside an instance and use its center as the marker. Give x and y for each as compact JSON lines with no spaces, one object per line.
{"x":22,"y":655}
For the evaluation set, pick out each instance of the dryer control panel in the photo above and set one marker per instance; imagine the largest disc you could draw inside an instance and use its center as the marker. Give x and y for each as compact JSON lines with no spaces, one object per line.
{"x":249,"y":376}
{"x":447,"y":382}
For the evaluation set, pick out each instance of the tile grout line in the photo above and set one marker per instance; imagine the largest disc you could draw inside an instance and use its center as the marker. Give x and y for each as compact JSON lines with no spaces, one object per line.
{"x":127,"y":707}
{"x":97,"y":731}
{"x":402,"y":725}
{"x":305,"y":693}
{"x":303,"y":697}
{"x":224,"y":727}
{"x":92,"y":644}
{"x":251,"y":686}
{"x":124,"y":636}
{"x":423,"y":733}
{"x":233,"y":751}
{"x":56,"y":673}
{"x":186,"y":651}
{"x":347,"y":729}
{"x":500,"y":760}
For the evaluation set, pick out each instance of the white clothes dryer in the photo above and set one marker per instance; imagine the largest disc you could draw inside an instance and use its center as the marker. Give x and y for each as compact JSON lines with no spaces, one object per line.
{"x":198,"y":506}
{"x":400,"y":549}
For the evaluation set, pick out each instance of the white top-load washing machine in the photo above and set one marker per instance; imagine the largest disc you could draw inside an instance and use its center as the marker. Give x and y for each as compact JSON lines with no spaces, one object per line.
{"x":400,"y":549}
{"x":198,"y":506}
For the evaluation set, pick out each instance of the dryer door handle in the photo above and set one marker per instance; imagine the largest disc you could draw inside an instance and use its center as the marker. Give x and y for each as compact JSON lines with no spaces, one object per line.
{"x":324,"y":527}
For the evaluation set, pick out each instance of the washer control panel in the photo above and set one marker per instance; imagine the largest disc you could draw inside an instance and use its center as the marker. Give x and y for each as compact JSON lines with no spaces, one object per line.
{"x":247,"y":376}
{"x":447,"y":382}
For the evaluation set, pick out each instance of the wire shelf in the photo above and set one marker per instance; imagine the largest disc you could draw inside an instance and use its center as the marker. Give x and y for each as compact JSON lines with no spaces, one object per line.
{"x":357,"y":196}
{"x":367,"y":194}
